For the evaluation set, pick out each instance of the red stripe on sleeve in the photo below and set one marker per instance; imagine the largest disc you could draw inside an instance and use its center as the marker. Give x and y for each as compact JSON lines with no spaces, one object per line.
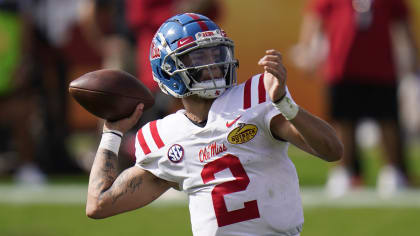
{"x":142,"y":142}
{"x":261,"y":90}
{"x":155,"y":134}
{"x":202,"y":25}
{"x":247,"y":94}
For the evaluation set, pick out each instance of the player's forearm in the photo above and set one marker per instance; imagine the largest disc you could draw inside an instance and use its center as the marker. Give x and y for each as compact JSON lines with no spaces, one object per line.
{"x":102,"y":176}
{"x":111,"y":193}
{"x":319,"y":135}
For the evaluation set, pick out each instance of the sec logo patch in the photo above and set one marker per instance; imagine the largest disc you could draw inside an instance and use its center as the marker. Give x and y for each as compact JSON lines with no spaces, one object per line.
{"x":176,"y":153}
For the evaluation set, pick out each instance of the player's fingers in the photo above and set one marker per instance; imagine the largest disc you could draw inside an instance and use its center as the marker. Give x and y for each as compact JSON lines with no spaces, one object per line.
{"x":127,"y":123}
{"x":279,"y":72}
{"x":135,"y":116}
{"x":271,"y":58}
{"x":275,"y":65}
{"x":274,"y":52}
{"x":275,"y":58}
{"x":138,"y":112}
{"x":275,"y":73}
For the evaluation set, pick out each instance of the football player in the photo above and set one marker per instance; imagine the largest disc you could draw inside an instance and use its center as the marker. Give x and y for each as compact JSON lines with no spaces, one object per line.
{"x":227,"y":150}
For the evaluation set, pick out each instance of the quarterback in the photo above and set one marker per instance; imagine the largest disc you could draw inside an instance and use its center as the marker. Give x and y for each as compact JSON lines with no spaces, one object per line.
{"x":227,"y":150}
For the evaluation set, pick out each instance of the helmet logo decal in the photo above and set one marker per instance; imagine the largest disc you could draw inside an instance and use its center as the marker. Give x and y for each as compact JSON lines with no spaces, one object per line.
{"x":154,"y":52}
{"x":185,"y":41}
{"x":208,"y":34}
{"x":205,"y":34}
{"x":224,"y":33}
{"x":176,"y":153}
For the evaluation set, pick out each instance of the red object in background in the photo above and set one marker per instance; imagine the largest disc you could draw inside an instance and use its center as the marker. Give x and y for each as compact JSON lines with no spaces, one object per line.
{"x":353,"y":49}
{"x":144,"y":18}
{"x":78,"y":51}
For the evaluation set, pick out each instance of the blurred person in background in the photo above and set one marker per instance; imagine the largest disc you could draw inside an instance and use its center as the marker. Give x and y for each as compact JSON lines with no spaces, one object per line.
{"x":105,"y":28}
{"x":17,"y":103}
{"x":45,"y":30}
{"x":362,"y":80}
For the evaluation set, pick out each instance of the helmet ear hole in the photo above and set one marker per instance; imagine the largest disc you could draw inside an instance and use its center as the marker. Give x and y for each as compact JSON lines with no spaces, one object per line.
{"x":165,"y":75}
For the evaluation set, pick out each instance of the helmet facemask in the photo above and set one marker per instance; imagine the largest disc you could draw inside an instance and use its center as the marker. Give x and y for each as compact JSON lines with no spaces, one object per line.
{"x":207,"y":67}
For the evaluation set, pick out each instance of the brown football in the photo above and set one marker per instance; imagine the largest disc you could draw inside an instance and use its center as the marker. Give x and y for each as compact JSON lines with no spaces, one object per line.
{"x":110,"y":94}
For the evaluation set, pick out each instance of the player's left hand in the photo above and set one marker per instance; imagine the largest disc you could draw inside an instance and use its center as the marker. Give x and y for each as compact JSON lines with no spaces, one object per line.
{"x":275,"y":74}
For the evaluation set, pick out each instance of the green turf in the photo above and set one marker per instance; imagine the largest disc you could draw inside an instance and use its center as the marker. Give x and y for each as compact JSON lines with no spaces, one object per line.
{"x":52,"y":220}
{"x":46,"y":220}
{"x":369,"y":222}
{"x":313,"y":171}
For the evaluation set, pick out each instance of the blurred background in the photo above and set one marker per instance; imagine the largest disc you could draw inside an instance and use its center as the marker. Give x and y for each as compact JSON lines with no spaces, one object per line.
{"x":47,"y":141}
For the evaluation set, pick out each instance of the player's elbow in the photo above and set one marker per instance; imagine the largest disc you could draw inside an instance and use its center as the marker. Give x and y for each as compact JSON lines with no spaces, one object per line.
{"x":336,"y":152}
{"x":95,"y":211}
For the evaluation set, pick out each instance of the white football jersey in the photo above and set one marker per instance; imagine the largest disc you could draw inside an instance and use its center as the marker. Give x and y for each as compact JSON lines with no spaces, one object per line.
{"x":238,"y":177}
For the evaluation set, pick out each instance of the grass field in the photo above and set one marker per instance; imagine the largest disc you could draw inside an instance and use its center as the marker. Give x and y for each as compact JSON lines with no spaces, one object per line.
{"x":51,"y":220}
{"x":313,"y":171}
{"x":60,"y":215}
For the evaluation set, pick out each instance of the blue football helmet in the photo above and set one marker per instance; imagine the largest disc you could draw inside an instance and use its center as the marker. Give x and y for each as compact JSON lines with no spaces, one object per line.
{"x":190,"y":54}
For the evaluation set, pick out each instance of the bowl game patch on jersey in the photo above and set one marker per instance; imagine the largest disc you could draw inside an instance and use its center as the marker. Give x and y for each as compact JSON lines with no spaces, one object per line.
{"x":242,"y":134}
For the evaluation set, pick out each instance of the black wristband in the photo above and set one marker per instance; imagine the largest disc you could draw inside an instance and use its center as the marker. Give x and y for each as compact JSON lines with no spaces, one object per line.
{"x":279,"y":100}
{"x":112,"y":132}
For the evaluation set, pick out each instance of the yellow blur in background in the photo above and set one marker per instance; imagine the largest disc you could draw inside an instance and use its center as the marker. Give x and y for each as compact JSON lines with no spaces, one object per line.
{"x":256,"y":26}
{"x":259,"y":25}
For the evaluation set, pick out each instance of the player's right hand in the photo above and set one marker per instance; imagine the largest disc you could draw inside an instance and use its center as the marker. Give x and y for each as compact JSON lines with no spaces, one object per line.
{"x":275,"y":74}
{"x":125,"y":124}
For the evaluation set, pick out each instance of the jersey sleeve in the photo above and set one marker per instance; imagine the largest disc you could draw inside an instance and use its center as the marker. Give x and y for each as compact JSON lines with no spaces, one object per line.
{"x":151,"y":154}
{"x":255,"y":96}
{"x":269,"y":112}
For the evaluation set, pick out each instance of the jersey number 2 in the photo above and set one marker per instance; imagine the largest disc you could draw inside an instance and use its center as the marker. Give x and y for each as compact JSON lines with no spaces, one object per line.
{"x":223,"y":216}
